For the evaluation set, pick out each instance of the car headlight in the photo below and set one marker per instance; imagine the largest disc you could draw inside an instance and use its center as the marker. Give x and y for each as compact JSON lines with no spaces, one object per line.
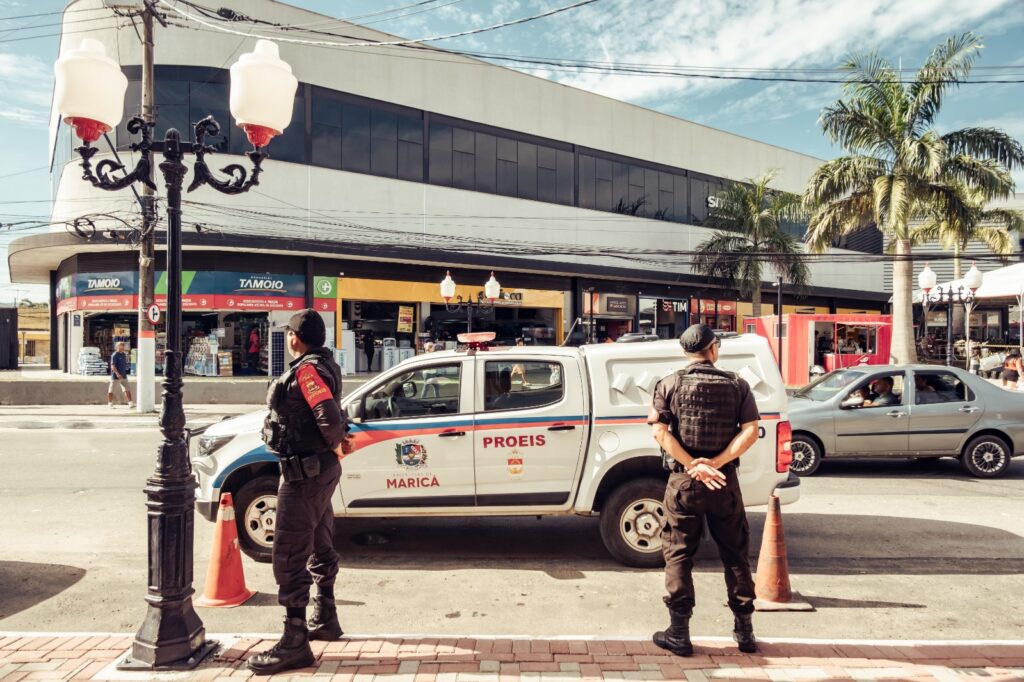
{"x":210,"y":444}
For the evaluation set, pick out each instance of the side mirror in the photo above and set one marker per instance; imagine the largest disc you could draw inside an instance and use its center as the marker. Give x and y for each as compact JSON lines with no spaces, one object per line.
{"x":354,"y":410}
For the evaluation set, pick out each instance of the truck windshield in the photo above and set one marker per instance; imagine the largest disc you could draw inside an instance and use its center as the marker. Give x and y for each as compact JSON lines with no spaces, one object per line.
{"x":826,"y":386}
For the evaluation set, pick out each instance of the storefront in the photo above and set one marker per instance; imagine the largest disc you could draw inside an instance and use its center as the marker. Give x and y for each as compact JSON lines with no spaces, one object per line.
{"x":607,"y":316}
{"x":227,"y":320}
{"x":382,"y":322}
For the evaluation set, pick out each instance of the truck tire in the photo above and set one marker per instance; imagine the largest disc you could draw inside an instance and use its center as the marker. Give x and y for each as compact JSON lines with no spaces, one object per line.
{"x":631,"y":521}
{"x":256,"y":516}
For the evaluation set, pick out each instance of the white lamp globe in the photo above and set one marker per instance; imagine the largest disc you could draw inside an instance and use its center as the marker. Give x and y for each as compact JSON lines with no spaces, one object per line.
{"x":492,"y":290}
{"x":447,"y":287}
{"x":973,"y":278}
{"x":89,"y":90}
{"x":927,"y":279}
{"x":262,"y":93}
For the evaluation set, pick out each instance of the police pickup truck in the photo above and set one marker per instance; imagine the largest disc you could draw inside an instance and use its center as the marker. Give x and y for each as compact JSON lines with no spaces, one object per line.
{"x":508,"y":431}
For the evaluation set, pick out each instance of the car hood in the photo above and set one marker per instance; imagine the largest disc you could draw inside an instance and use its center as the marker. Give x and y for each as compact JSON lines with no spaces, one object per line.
{"x":250,"y":422}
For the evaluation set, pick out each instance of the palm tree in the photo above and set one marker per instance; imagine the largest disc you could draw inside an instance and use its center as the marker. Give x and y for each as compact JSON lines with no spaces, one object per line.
{"x":896,"y":162}
{"x":749,"y":235}
{"x":989,"y":226}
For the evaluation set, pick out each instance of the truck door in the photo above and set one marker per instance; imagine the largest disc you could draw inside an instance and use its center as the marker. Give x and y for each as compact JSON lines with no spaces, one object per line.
{"x":415,"y":444}
{"x":531,"y":427}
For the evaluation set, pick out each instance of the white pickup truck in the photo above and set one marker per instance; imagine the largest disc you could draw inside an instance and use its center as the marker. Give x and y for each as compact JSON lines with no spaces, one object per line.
{"x":514,"y":431}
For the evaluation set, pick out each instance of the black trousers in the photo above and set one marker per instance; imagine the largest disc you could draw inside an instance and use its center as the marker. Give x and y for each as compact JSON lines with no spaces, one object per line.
{"x":688,"y":504}
{"x":304,"y":538}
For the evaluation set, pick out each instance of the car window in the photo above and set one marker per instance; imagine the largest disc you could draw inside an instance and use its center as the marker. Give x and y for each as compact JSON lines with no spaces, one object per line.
{"x":882,"y":390}
{"x":518,"y":385}
{"x":427,"y":391}
{"x":931,"y":387}
{"x":826,"y":386}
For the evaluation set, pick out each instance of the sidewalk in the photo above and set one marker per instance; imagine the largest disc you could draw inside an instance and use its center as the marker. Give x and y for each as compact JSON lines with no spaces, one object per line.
{"x":103,"y":417}
{"x":37,"y":656}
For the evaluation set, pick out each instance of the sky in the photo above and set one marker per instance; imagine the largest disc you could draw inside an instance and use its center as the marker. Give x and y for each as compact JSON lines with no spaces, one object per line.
{"x":740,"y":34}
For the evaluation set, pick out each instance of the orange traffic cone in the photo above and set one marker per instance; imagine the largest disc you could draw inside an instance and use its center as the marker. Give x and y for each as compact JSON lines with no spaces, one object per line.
{"x":225,"y":581}
{"x":771,"y":585}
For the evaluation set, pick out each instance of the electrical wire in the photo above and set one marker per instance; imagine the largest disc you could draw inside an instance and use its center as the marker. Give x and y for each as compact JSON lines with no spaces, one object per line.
{"x":475,"y":31}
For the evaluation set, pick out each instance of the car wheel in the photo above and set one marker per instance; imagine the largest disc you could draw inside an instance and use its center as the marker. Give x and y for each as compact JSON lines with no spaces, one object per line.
{"x":631,"y":521}
{"x":256,"y":517}
{"x":986,"y":457}
{"x":806,"y":455}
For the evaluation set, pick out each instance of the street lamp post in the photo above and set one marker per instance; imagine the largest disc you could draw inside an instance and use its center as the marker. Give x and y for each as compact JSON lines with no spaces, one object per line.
{"x":964,"y":293}
{"x":483,"y":303}
{"x":89,"y":94}
{"x":926,"y":280}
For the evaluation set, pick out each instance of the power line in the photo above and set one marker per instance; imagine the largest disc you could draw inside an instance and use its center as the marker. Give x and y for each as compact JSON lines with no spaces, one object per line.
{"x":459,"y":34}
{"x":61,"y":34}
{"x":58,"y":11}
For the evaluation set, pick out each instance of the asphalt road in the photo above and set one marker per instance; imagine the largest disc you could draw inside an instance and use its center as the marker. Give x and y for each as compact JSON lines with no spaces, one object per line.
{"x":894,"y":549}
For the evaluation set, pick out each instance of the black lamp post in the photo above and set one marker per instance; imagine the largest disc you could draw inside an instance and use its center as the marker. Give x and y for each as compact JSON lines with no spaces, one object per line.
{"x":89,"y":94}
{"x":484,"y":301}
{"x":963,"y":293}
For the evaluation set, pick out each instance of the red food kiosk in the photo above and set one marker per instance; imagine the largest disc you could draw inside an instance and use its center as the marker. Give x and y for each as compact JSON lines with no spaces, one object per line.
{"x":830,"y":341}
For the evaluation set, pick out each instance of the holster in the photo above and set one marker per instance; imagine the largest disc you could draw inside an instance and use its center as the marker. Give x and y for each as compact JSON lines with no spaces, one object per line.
{"x":298,"y":468}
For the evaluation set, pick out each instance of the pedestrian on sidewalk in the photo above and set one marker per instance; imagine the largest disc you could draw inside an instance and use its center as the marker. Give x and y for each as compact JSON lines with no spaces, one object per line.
{"x":307,"y":431}
{"x":119,"y":376}
{"x":704,"y":419}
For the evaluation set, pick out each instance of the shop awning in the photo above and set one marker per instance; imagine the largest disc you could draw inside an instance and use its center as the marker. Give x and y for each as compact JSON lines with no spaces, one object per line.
{"x":1005,"y":282}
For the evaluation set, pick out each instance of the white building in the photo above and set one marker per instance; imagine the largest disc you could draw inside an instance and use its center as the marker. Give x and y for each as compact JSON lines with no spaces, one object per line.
{"x":401,"y":164}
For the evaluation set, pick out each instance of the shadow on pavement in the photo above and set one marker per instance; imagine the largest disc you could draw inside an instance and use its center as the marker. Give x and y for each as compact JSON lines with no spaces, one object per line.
{"x":564,"y":547}
{"x":835,"y":603}
{"x":26,"y":584}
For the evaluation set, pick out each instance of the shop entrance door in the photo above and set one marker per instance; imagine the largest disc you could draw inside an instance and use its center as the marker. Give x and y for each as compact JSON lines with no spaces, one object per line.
{"x":415,"y":443}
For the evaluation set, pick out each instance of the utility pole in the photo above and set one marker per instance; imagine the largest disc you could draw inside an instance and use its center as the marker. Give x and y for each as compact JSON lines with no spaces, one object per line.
{"x":146,"y":352}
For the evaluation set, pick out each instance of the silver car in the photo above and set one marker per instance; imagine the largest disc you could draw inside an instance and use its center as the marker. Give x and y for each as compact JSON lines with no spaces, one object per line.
{"x":908,"y":411}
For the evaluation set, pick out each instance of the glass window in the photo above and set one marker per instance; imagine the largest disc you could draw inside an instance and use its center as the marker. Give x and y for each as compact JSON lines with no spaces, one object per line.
{"x":440,"y":154}
{"x":291,"y":144}
{"x":207,"y":99}
{"x":410,"y":161}
{"x":486,"y":163}
{"x":527,"y":170}
{"x":326,"y":145}
{"x":507,"y":150}
{"x":384,"y":143}
{"x":132,"y":107}
{"x":547,"y":184}
{"x":426,"y":391}
{"x":565,"y":173}
{"x":882,"y":390}
{"x":546,"y":158}
{"x":698,"y":200}
{"x":932,"y":387}
{"x":508,"y":177}
{"x":520,"y":385}
{"x":355,"y":138}
{"x":463,"y":141}
{"x":410,"y":129}
{"x":588,"y":182}
{"x":680,"y":198}
{"x":620,"y":187}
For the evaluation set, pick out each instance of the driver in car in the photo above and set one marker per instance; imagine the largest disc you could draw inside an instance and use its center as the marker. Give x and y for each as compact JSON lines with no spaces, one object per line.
{"x":885,"y":396}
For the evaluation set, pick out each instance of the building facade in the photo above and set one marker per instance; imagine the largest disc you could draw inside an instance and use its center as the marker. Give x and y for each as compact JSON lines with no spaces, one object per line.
{"x":400,"y":166}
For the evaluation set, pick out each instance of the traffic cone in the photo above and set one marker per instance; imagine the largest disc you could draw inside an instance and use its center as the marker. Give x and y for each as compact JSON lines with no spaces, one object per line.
{"x":225,"y":581}
{"x":771,"y":585}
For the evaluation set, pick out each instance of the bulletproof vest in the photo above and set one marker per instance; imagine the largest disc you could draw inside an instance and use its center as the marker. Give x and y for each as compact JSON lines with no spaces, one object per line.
{"x":290,"y":428}
{"x":706,"y":404}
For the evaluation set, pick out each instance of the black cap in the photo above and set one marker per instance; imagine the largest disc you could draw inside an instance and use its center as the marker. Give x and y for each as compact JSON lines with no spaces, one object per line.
{"x":309,"y":327}
{"x":697,"y":337}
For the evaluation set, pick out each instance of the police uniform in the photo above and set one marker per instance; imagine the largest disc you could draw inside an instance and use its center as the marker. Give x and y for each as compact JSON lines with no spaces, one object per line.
{"x":304,"y":427}
{"x":704,"y":408}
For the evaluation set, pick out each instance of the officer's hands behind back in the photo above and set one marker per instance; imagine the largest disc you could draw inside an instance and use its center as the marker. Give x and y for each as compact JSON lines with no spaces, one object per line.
{"x":702,"y":470}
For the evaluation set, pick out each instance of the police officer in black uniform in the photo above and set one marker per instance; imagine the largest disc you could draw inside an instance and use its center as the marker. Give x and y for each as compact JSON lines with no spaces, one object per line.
{"x":704,"y":419}
{"x":308,"y":432}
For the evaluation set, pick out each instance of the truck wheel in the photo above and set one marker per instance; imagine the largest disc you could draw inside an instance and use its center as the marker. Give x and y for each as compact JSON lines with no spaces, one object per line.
{"x":256,"y":517}
{"x":986,"y":457}
{"x":631,"y":521}
{"x":806,"y":455}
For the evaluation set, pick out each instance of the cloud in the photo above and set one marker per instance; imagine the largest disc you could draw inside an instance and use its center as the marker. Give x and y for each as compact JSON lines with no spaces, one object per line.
{"x":27,"y":82}
{"x":731,"y":33}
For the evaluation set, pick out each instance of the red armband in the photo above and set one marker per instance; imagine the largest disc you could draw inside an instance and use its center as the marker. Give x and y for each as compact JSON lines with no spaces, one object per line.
{"x":312,"y":385}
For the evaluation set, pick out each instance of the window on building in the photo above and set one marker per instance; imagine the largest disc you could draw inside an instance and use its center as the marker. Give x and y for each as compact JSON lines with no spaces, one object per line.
{"x":355,"y":138}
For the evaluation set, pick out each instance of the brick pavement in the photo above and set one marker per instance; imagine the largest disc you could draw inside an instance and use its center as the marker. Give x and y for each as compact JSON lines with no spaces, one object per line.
{"x":40,"y":656}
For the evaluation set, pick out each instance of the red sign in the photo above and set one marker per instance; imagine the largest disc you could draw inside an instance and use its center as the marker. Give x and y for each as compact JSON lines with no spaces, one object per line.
{"x":106,"y":302}
{"x":326,"y":305}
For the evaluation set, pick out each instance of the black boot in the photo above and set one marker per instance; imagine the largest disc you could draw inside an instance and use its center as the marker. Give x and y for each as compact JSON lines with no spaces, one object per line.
{"x":677,"y":637}
{"x":743,"y":633}
{"x":291,"y":651}
{"x":324,"y":624}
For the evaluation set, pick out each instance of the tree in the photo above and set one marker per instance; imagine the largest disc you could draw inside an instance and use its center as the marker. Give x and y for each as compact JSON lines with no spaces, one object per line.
{"x":991,"y":227}
{"x":749,"y":220}
{"x":897,"y":164}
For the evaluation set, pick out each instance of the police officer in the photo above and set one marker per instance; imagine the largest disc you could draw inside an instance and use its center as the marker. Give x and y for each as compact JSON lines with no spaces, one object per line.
{"x":308,"y":432}
{"x":704,"y":419}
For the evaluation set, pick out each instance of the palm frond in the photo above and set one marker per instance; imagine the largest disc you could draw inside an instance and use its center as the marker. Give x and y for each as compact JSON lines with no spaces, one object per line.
{"x":839,"y":177}
{"x":831,"y":220}
{"x":987,"y":177}
{"x":948,"y":65}
{"x":986,"y":143}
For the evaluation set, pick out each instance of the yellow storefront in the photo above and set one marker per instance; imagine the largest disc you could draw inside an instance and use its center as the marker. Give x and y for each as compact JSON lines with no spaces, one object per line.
{"x":396,"y":318}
